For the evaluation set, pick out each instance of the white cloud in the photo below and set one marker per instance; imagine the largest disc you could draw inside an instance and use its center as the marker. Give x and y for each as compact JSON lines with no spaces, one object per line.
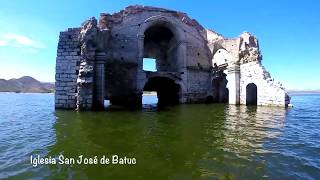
{"x":20,"y":41}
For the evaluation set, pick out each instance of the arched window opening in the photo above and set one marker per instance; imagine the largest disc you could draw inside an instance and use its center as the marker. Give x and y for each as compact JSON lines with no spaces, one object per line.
{"x":159,"y":45}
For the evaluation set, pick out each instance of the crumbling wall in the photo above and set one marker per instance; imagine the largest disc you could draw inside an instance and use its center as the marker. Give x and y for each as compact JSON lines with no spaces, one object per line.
{"x":105,"y":60}
{"x":242,"y":59}
{"x":122,"y":59}
{"x":270,"y":92}
{"x":85,"y":81}
{"x":189,"y":51}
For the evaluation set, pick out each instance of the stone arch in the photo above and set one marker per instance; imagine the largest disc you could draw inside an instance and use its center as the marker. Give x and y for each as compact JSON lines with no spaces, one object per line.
{"x":168,"y":91}
{"x":221,"y":57}
{"x":166,"y":23}
{"x":251,"y":94}
{"x":209,"y":99}
{"x":160,"y":44}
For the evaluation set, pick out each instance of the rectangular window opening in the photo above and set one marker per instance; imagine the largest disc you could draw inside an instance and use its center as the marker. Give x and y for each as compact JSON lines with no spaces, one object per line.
{"x":149,"y":64}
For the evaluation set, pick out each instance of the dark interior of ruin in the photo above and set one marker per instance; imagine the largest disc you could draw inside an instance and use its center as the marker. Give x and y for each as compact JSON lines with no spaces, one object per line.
{"x":219,"y":84}
{"x":160,"y":44}
{"x":251,"y":93}
{"x":167,"y":90}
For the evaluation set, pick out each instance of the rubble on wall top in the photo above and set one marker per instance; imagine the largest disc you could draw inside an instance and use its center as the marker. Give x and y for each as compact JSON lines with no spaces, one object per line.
{"x":107,"y":20}
{"x":245,"y":33}
{"x":213,"y":36}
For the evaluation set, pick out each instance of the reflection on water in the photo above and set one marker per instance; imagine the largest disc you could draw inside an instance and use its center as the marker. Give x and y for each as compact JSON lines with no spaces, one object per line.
{"x":247,"y":127}
{"x":179,"y":142}
{"x":185,"y":141}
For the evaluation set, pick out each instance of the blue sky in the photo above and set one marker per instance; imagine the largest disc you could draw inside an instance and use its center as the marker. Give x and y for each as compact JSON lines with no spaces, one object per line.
{"x":288,"y":32}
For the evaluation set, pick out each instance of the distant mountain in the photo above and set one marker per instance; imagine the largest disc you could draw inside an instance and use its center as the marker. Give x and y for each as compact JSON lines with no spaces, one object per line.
{"x":25,"y":84}
{"x":307,"y":91}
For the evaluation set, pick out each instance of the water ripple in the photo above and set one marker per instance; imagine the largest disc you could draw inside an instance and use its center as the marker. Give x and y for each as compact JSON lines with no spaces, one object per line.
{"x":180,"y":142}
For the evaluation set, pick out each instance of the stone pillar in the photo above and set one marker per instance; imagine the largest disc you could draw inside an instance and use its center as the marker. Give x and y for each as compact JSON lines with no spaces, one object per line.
{"x":99,"y":90}
{"x":234,"y":83}
{"x":85,"y":83}
{"x":141,"y":76}
{"x":182,"y":64}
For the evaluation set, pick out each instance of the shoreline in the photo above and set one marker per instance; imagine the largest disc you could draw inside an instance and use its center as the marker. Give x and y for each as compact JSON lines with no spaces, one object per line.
{"x":302,"y":92}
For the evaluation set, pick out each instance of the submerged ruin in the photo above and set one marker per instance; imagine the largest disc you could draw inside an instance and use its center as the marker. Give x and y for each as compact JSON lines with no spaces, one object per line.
{"x":103,"y":60}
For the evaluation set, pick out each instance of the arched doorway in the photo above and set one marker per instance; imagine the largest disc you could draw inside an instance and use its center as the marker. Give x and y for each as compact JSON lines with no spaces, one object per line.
{"x":168,"y":91}
{"x":251,"y":94}
{"x":160,"y":44}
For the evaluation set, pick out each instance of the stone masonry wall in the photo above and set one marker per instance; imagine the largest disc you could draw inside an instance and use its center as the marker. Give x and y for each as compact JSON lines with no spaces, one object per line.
{"x":243,"y":55}
{"x":85,"y":82}
{"x":199,"y":84}
{"x":127,"y":36}
{"x":117,"y":45}
{"x":67,"y":67}
{"x":269,"y":92}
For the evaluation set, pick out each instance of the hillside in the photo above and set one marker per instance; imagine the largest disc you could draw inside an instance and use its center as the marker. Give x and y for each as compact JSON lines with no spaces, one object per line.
{"x":25,"y":84}
{"x":295,"y":92}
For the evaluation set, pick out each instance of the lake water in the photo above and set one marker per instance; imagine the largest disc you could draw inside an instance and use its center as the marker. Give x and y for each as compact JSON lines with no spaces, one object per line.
{"x":180,"y":142}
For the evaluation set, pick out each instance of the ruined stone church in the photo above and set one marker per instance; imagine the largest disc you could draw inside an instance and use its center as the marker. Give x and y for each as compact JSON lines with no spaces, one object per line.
{"x":103,"y":60}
